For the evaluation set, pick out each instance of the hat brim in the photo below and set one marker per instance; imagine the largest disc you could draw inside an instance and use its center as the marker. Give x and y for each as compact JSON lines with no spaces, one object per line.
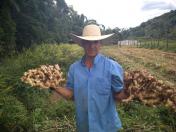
{"x":78,"y":39}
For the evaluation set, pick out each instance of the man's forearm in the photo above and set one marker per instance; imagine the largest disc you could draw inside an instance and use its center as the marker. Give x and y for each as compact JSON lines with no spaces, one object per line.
{"x":65,"y":92}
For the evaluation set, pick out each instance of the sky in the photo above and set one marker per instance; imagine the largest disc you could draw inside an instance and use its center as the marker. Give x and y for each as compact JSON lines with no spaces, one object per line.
{"x":122,"y":13}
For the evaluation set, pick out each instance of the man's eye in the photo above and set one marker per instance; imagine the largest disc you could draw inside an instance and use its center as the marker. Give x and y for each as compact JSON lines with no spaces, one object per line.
{"x":86,"y":42}
{"x":90,"y":42}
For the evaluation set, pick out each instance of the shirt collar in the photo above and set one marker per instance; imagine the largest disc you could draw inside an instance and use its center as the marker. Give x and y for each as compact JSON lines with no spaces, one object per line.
{"x":96,"y":59}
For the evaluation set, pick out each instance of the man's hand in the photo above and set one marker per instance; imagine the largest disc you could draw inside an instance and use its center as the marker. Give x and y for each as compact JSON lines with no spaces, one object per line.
{"x":65,"y":92}
{"x":120,"y":96}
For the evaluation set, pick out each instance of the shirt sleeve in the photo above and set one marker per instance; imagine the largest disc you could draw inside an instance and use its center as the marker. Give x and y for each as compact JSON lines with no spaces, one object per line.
{"x":70,"y":78}
{"x":117,"y":82}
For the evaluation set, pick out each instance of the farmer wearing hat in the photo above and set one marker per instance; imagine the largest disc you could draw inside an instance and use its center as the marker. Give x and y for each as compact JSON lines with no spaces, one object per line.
{"x":95,"y":82}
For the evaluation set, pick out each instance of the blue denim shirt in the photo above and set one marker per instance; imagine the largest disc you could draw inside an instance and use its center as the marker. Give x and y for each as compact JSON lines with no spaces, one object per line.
{"x":93,"y":94}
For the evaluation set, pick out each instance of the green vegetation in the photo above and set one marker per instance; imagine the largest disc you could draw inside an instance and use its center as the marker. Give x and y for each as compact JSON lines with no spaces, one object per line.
{"x":24,"y":23}
{"x":138,"y":117}
{"x":23,"y":108}
{"x":159,"y":44}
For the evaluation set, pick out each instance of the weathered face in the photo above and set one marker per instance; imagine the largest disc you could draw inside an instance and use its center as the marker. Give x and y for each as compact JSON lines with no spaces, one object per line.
{"x":91,"y":48}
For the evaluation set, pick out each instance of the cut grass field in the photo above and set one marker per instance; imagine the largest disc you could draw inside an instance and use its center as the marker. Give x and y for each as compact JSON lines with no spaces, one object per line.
{"x":159,"y":63}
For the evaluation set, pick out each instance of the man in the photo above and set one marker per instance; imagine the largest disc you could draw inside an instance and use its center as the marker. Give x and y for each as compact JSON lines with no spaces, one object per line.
{"x":95,"y":82}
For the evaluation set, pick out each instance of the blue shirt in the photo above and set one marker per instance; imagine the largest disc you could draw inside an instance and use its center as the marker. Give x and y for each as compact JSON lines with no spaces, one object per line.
{"x":93,"y":94}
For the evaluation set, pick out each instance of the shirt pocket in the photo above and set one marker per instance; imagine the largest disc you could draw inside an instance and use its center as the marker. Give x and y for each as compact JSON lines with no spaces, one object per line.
{"x":103,"y":86}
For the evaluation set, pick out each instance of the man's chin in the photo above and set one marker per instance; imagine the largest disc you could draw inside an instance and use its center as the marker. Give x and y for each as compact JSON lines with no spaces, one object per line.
{"x":92,"y":55}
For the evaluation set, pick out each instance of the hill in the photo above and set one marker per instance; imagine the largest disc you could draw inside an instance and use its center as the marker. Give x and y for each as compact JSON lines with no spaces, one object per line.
{"x":161,"y":27}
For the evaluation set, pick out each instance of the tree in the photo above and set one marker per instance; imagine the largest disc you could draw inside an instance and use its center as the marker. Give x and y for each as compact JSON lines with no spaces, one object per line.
{"x":7,"y":28}
{"x":27,"y":22}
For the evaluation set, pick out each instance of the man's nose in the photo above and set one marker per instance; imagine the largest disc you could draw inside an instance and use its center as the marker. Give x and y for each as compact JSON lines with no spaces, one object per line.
{"x":91,"y":44}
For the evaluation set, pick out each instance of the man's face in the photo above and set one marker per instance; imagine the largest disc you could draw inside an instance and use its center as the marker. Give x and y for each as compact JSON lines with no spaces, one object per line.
{"x":91,"y":48}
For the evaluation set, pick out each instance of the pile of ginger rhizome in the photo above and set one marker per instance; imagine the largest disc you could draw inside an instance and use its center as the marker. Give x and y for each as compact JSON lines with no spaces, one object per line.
{"x":139,"y":85}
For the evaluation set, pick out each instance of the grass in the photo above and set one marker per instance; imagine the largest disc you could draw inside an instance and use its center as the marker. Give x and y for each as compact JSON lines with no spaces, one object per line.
{"x":23,"y":108}
{"x":138,"y":117}
{"x":162,"y":45}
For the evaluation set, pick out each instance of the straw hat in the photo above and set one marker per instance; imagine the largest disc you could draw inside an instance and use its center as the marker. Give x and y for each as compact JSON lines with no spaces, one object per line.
{"x":91,"y":33}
